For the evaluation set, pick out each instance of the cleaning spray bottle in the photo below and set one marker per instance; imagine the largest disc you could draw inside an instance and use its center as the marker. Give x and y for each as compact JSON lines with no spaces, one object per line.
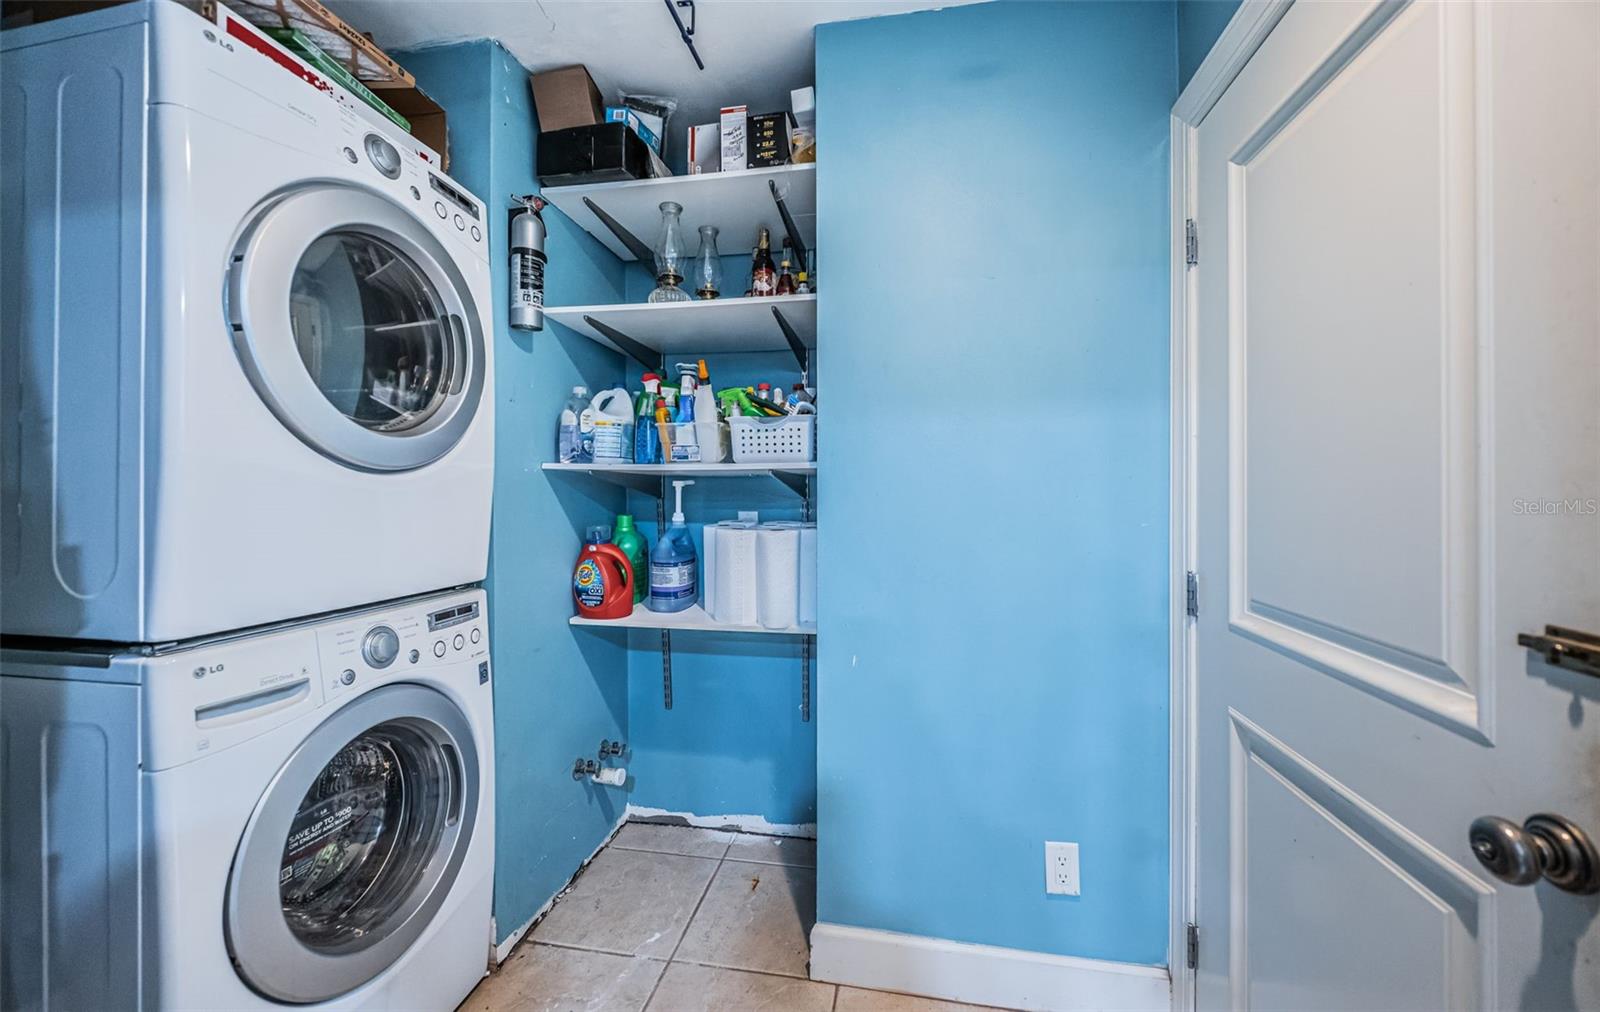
{"x":685,"y":442}
{"x":709,"y":431}
{"x":602,"y":581}
{"x":673,"y":564}
{"x":646,"y":438}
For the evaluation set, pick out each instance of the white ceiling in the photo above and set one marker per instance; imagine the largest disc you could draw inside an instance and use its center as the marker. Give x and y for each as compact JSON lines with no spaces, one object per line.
{"x":755,"y":51}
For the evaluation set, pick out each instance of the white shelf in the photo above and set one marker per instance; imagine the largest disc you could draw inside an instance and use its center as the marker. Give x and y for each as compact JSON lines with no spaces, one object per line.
{"x":646,"y":478}
{"x":700,"y":327}
{"x":694,"y":618}
{"x":738,"y":203}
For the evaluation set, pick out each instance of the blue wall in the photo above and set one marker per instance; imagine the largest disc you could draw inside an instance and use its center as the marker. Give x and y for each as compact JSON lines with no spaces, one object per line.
{"x":733,"y":743}
{"x":993,"y":512}
{"x":1200,"y":22}
{"x":557,"y":690}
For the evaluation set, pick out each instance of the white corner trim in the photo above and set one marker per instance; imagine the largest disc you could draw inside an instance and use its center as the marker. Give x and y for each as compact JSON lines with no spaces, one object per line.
{"x":982,"y":974}
{"x":503,"y":950}
{"x":1248,"y":28}
{"x":742,"y":823}
{"x":1181,"y":643}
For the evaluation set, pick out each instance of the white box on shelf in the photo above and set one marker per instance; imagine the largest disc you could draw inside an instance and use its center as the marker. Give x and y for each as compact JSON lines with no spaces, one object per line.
{"x":735,"y":132}
{"x":705,"y":149}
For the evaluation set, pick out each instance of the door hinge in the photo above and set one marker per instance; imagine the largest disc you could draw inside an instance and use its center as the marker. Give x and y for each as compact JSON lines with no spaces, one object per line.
{"x":1194,"y":947}
{"x":1191,"y":594}
{"x":1191,"y":243}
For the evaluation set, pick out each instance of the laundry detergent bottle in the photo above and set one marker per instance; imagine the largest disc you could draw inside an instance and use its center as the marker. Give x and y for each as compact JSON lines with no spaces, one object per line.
{"x":634,"y":546}
{"x":602,"y":581}
{"x":673,"y":564}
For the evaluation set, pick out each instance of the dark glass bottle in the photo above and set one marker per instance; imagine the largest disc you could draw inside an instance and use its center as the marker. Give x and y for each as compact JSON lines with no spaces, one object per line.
{"x":763,"y":275}
{"x":785,"y":278}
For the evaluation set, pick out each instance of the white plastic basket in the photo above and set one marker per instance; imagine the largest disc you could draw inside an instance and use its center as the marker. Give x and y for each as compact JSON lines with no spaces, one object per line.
{"x":774,"y":440}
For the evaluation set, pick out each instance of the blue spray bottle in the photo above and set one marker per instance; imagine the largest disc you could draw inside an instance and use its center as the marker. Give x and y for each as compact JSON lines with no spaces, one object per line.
{"x":673,"y":563}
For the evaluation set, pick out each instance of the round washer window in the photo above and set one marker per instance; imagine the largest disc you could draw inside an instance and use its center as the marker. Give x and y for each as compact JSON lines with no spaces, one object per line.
{"x":370,"y":329}
{"x":363,"y":836}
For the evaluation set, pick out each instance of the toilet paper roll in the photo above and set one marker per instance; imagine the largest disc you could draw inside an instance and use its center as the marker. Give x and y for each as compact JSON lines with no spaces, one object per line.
{"x":778,"y":575}
{"x":615,"y":776}
{"x":734,"y":602}
{"x":808,"y":574}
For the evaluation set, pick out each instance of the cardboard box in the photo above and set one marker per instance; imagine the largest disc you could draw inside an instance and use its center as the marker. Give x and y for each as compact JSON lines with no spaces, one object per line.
{"x":602,"y":153}
{"x":769,"y":140}
{"x":622,"y":114}
{"x":651,"y":113}
{"x":427,"y":118}
{"x":735,"y":141}
{"x":803,"y":104}
{"x":705,"y":149}
{"x":566,"y":97}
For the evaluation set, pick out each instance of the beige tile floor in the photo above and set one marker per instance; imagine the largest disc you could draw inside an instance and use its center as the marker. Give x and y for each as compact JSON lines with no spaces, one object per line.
{"x":673,"y":919}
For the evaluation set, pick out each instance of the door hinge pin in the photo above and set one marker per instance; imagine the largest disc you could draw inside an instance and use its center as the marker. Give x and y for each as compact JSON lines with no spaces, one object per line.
{"x":1194,"y":947}
{"x":1191,"y":594}
{"x":1191,"y":243}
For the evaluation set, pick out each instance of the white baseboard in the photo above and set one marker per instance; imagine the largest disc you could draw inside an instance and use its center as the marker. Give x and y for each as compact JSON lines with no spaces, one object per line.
{"x":743,"y":823}
{"x":983,"y":974}
{"x":503,"y":950}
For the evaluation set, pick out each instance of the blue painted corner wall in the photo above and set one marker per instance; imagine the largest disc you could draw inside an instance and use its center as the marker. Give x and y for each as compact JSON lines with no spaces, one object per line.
{"x":557,"y":693}
{"x":1200,"y":24}
{"x":733,"y":744}
{"x":993,"y":509}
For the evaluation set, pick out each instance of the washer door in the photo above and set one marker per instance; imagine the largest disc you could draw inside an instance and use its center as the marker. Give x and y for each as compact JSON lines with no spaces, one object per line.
{"x":354,"y":845}
{"x":356,"y":327}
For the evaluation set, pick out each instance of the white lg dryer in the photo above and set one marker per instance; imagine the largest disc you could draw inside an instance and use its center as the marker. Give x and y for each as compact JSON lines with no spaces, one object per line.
{"x":297,"y":817}
{"x":247,"y":328}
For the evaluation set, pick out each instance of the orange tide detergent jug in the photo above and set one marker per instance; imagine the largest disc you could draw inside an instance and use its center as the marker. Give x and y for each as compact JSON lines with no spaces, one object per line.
{"x":602,"y":581}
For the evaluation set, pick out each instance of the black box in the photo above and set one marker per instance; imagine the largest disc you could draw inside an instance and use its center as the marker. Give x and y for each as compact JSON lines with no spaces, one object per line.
{"x":600,"y":153}
{"x":769,"y":140}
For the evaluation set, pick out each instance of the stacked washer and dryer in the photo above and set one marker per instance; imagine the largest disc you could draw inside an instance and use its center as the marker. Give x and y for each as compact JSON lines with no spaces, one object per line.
{"x":245,"y":461}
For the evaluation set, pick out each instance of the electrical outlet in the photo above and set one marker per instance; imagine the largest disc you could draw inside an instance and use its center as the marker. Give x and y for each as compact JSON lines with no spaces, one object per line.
{"x":1061,"y":868}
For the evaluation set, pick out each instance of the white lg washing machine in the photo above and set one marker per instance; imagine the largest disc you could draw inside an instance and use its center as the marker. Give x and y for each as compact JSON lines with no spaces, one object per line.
{"x":299,"y":816}
{"x":246,"y":335}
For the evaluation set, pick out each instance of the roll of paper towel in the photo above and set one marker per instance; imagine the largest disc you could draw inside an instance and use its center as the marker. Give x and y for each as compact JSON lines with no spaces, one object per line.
{"x":808,"y":574}
{"x":734,"y":602}
{"x":778,"y":574}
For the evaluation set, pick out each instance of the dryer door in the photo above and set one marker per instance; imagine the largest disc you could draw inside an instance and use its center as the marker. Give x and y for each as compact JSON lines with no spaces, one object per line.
{"x":356,"y":327}
{"x":354,"y":845}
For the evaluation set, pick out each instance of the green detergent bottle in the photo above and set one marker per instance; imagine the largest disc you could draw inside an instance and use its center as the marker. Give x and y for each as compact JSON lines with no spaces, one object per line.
{"x":633,"y":545}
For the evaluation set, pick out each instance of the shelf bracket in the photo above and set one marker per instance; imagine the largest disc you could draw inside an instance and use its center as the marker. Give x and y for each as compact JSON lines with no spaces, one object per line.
{"x":638,"y":352}
{"x":805,"y":679}
{"x":666,"y":668}
{"x":796,"y":483}
{"x":801,"y":353}
{"x":639,"y":250}
{"x":640,"y":483}
{"x":666,"y":635}
{"x":788,"y":222}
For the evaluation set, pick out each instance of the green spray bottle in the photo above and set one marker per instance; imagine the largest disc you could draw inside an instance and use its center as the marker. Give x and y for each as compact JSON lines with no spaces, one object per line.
{"x":632,"y":544}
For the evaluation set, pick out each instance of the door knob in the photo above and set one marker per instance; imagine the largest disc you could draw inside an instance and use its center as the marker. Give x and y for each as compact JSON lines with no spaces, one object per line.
{"x":1546,"y":845}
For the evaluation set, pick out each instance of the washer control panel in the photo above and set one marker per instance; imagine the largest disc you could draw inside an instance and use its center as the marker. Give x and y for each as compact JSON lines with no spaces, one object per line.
{"x":380,"y":646}
{"x":385,"y":645}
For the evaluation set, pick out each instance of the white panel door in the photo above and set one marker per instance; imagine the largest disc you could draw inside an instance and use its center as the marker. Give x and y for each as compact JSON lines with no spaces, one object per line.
{"x":1397,"y":471}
